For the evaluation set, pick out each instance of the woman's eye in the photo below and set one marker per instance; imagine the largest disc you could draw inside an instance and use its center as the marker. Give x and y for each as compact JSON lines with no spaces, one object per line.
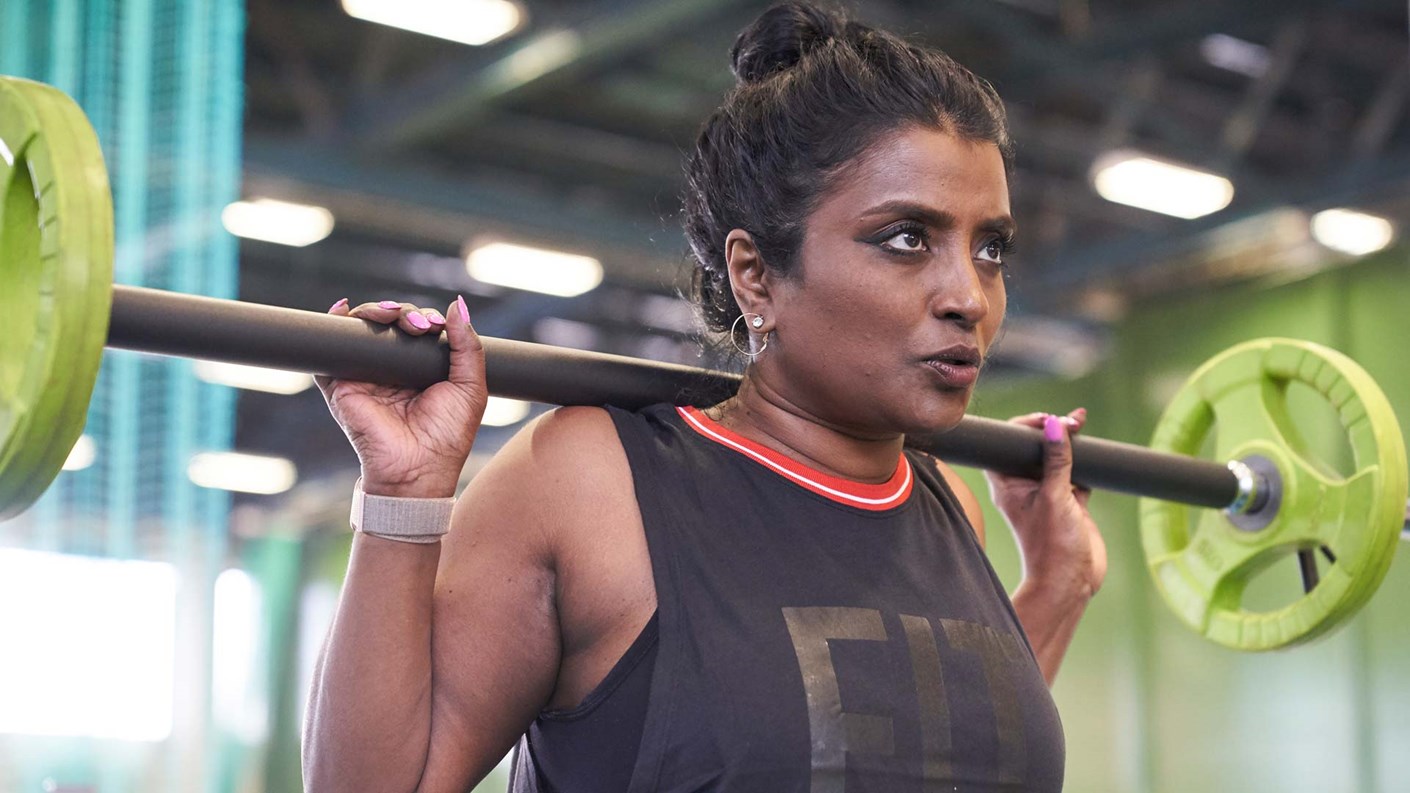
{"x":993,"y":251}
{"x":906,"y":241}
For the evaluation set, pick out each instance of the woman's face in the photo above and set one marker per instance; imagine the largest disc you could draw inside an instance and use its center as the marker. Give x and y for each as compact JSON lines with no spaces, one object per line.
{"x":899,"y":288}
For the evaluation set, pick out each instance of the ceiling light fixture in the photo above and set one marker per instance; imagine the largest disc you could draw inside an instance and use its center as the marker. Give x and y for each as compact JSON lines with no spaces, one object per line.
{"x":1351,"y":232}
{"x":82,"y":455}
{"x":279,"y":222}
{"x":1235,"y":55}
{"x":1170,"y":188}
{"x":534,"y":269}
{"x":472,"y":22}
{"x":242,"y":473}
{"x":252,"y":378}
{"x":501,"y":412}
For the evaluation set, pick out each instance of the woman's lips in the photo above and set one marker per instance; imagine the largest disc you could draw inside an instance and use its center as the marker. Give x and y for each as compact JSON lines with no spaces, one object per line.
{"x":952,"y":373}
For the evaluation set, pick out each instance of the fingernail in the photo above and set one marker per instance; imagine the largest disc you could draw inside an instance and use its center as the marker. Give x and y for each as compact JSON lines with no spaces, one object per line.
{"x":1052,"y":429}
{"x":389,"y":304}
{"x":338,"y":304}
{"x":417,"y":321}
{"x":435,"y":317}
{"x":464,"y":312}
{"x":1069,"y":421}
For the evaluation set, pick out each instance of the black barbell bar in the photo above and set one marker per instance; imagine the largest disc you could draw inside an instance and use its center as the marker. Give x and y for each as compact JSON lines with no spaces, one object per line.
{"x":190,"y":326}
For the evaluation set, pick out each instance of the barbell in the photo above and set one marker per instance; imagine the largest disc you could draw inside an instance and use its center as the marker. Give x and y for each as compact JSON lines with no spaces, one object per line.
{"x":1264,"y":497}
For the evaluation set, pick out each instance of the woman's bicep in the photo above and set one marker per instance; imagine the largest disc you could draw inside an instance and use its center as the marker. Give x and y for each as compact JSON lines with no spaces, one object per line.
{"x":495,"y":635}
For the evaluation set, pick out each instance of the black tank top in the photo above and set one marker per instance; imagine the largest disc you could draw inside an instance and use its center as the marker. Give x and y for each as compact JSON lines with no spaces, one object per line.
{"x":813,"y":635}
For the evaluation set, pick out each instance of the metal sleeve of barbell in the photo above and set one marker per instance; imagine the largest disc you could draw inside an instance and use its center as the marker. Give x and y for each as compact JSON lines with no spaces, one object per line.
{"x":189,"y":326}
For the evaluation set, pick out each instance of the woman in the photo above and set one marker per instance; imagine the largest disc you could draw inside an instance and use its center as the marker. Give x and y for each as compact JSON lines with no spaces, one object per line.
{"x":768,"y":594}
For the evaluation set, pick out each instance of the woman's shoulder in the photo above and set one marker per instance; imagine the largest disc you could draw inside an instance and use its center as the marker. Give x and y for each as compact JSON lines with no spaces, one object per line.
{"x":563,"y":459}
{"x":563,"y":445}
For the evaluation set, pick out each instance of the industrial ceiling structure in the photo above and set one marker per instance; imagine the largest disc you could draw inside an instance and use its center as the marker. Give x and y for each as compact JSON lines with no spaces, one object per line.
{"x":569,"y":133}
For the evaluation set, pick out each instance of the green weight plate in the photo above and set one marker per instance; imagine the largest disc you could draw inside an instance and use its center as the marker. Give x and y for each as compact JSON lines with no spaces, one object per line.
{"x":56,"y":254}
{"x":1202,"y":563}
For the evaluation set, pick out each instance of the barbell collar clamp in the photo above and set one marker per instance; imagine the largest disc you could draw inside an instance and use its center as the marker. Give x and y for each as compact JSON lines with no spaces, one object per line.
{"x":1249,"y":489}
{"x":1260,"y":493}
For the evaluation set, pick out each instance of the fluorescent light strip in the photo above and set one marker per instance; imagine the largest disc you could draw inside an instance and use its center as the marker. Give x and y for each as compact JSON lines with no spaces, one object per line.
{"x":1235,"y":55}
{"x":1351,"y":232}
{"x":473,"y":22}
{"x":1138,"y":180}
{"x":253,"y":378}
{"x":242,"y":473}
{"x":534,"y":269}
{"x":280,"y":222}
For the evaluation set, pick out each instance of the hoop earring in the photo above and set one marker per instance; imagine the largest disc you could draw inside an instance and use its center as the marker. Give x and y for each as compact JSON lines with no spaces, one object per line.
{"x":756,"y":322}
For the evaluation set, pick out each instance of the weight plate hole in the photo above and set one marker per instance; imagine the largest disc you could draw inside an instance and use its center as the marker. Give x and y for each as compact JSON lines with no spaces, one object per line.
{"x":1312,"y":426}
{"x":19,"y":248}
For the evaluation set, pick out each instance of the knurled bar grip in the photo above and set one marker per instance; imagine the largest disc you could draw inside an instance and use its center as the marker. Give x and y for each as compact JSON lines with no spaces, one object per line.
{"x":189,"y":326}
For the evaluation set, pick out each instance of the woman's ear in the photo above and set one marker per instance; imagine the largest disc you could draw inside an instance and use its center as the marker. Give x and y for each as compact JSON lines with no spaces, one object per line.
{"x":748,"y":276}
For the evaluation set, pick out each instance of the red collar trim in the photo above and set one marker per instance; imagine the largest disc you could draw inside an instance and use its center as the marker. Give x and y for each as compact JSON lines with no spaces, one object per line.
{"x":862,"y":495}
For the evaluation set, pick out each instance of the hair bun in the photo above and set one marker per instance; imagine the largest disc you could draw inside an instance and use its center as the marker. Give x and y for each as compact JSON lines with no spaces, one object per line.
{"x":780,"y":37}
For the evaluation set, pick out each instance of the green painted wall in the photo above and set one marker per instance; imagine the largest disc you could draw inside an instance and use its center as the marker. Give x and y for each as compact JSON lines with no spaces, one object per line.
{"x":1149,"y":706}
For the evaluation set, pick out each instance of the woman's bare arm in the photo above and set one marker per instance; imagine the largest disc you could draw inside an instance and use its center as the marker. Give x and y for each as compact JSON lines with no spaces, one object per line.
{"x":440,"y":657}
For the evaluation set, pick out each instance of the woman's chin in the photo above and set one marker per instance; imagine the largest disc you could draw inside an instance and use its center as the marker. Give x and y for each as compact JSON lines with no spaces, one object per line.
{"x":939,"y":417}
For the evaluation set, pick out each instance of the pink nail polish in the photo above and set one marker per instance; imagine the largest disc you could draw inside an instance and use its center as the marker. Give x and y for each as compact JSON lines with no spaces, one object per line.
{"x":436,"y":319}
{"x":464,"y":312}
{"x":389,"y":304}
{"x":1052,"y":429}
{"x":338,"y":304}
{"x":418,"y":321}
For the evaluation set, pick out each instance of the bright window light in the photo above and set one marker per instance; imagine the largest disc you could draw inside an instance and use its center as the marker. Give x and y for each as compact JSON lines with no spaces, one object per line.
{"x":466,"y":21}
{"x":1169,"y":188}
{"x":279,"y":222}
{"x":82,"y":455}
{"x":238,"y":700}
{"x":1352,"y":232}
{"x":534,"y":269}
{"x":501,"y":412}
{"x":253,"y":378}
{"x":89,"y":646}
{"x":242,"y":473}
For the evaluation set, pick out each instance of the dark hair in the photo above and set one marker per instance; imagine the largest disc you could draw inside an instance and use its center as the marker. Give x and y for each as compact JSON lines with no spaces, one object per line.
{"x":814,"y":91}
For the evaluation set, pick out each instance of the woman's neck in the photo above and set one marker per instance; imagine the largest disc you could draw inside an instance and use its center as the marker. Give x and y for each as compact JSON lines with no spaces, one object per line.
{"x":764,"y":415}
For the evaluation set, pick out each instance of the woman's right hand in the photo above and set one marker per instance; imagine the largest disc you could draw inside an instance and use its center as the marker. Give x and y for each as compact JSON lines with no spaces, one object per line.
{"x":413,"y":443}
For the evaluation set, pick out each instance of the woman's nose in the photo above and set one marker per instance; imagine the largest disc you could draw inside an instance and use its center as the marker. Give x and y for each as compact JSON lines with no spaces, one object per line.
{"x":959,"y":292}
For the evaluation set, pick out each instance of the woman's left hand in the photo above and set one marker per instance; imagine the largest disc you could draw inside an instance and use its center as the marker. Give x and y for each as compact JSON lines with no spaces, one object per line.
{"x":1063,"y":552}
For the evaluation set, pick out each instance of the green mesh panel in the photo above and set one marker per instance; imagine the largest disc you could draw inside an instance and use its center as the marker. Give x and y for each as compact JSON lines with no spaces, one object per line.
{"x":162,"y":82}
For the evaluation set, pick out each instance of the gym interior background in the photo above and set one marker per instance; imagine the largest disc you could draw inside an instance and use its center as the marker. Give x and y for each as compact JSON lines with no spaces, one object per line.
{"x":158,"y":622}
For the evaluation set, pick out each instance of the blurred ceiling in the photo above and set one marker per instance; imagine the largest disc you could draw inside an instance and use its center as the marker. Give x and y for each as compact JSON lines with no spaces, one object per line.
{"x":569,"y":133}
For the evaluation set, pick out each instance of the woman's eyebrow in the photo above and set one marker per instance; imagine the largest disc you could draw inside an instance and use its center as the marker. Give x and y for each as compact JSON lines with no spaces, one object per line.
{"x":911,"y":209}
{"x":938,"y":218}
{"x":1003,"y":225}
